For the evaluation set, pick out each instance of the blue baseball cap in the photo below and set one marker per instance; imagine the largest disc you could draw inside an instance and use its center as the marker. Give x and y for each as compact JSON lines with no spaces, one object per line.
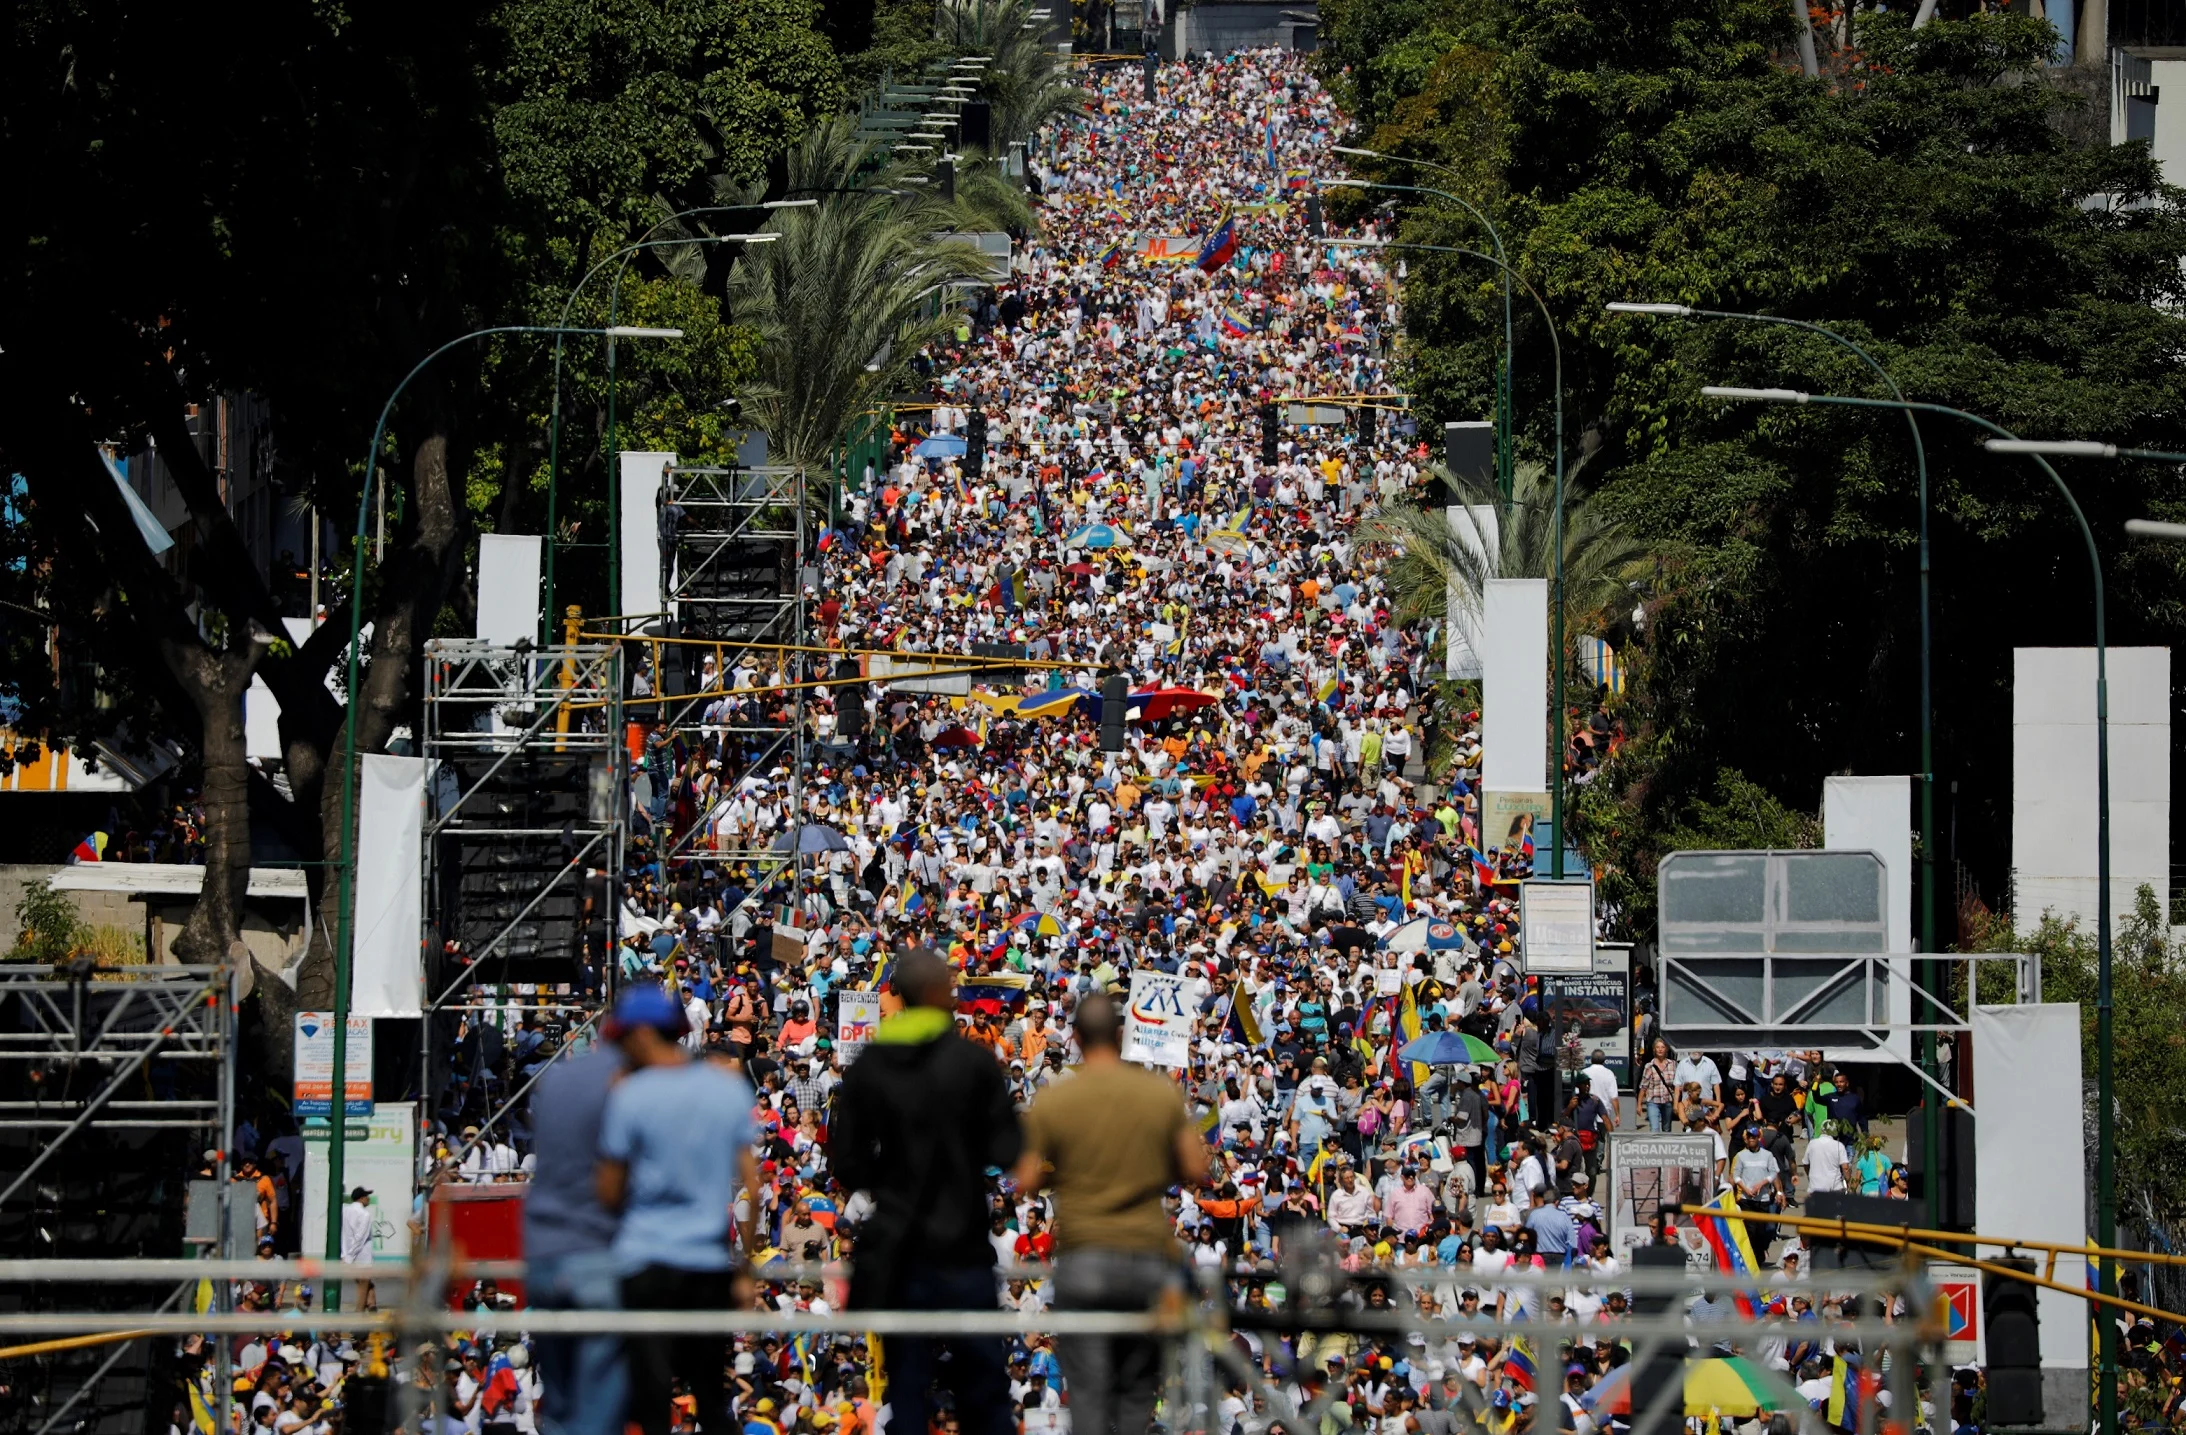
{"x":646,"y":1005}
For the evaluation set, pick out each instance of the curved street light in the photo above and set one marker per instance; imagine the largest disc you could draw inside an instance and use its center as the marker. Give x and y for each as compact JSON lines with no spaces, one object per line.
{"x":1931,"y":1122}
{"x":344,"y":916}
{"x":2005,"y":441}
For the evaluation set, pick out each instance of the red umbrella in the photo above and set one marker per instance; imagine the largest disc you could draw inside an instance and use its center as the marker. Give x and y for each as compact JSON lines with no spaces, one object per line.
{"x":956,"y":737}
{"x":1081,"y":569}
{"x":1154,"y":704}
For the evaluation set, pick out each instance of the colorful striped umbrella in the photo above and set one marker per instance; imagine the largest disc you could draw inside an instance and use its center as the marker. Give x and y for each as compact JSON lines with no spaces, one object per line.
{"x":1730,"y":1385}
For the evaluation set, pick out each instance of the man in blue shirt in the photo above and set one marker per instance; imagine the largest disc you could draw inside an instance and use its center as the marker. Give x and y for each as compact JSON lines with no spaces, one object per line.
{"x":567,"y":1233}
{"x":675,"y":1144}
{"x":1552,"y":1227}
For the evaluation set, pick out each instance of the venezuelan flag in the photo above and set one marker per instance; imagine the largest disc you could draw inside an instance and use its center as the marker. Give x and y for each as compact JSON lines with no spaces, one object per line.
{"x":1518,"y":1364}
{"x":1483,"y":869}
{"x":1112,"y":255}
{"x":1733,"y":1252}
{"x":1220,"y":248}
{"x":1234,"y":325}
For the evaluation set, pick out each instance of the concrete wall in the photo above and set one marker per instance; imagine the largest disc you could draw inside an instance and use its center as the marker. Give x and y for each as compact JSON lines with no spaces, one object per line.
{"x":272,"y":927}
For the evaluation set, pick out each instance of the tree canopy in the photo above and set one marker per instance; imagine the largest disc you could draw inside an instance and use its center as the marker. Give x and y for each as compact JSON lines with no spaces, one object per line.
{"x":1933,"y":203}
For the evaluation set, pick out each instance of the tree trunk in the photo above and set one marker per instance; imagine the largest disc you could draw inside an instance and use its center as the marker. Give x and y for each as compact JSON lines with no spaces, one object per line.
{"x":216,"y":683}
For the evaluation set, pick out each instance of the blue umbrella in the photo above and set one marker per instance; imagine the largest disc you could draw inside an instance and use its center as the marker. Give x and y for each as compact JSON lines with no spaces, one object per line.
{"x":1098,"y":535}
{"x":940,"y":445}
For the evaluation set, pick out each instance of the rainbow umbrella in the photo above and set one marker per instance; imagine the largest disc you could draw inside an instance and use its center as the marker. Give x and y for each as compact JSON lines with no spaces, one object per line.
{"x":1726,"y":1385}
{"x":1038,"y":924}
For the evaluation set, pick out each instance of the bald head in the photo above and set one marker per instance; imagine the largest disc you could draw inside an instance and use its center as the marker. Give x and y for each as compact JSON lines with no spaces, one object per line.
{"x":922,"y":978}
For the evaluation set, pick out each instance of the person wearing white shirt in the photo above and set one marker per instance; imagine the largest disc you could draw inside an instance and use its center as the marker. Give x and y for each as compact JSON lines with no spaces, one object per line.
{"x":1602,"y":1082}
{"x":1828,"y":1163}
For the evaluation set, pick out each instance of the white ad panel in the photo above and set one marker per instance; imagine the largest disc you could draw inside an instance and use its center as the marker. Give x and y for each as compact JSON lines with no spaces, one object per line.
{"x":1556,"y":922}
{"x":2053,"y":781}
{"x":1514,"y":686}
{"x":387,"y":969}
{"x":379,"y":1154}
{"x":1875,"y":814}
{"x":508,"y":587}
{"x":2026,"y":1068}
{"x":639,"y":515}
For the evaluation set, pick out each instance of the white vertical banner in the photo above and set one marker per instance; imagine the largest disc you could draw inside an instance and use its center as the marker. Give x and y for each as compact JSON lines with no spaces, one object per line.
{"x":2026,"y":1071}
{"x":1514,"y":686}
{"x":1476,"y":527}
{"x":508,"y":588}
{"x":639,"y":515}
{"x":1875,"y":814}
{"x":387,"y":969}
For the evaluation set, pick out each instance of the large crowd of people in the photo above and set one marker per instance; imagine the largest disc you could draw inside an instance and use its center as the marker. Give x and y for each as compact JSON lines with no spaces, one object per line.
{"x":1291,"y":825}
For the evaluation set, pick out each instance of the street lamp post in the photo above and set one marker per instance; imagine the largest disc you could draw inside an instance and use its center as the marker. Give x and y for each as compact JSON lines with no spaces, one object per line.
{"x":344,"y":917}
{"x":2106,"y":1201}
{"x":1506,"y":454}
{"x":1556,"y":605}
{"x":1931,"y":1118}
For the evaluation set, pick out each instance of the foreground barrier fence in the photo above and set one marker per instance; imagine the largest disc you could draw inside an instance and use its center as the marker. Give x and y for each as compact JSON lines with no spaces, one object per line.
{"x":1891,"y":1319}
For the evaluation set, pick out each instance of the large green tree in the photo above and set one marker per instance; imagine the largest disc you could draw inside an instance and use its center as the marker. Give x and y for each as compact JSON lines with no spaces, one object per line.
{"x":1932,"y":203}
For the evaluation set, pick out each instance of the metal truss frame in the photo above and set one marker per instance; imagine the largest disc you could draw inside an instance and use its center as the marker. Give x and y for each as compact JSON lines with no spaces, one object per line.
{"x":569,"y":698}
{"x":724,"y":507}
{"x":1787,"y":995}
{"x":175,"y":1013}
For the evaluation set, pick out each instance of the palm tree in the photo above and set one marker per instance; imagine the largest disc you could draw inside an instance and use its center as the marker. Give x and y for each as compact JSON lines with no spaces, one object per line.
{"x":1025,"y":83}
{"x":1443,"y":559}
{"x":843,"y":301}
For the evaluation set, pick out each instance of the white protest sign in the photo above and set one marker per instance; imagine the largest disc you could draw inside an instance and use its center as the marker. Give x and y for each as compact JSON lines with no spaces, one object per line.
{"x":1157,"y":1025}
{"x":856,"y":1016}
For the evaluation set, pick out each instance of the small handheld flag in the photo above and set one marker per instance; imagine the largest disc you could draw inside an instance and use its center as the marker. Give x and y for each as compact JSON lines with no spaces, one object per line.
{"x":91,"y":849}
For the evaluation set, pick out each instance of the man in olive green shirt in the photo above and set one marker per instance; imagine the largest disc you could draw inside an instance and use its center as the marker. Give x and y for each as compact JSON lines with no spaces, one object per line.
{"x":1111,"y":1141}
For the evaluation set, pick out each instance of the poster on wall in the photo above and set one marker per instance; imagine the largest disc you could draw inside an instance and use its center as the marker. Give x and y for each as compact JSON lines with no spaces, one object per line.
{"x":1157,"y":1026}
{"x":1650,"y":1170}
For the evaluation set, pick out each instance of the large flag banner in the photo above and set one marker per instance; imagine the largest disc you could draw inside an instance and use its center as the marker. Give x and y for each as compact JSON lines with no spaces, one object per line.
{"x":1221,"y":247}
{"x":1157,"y":1025}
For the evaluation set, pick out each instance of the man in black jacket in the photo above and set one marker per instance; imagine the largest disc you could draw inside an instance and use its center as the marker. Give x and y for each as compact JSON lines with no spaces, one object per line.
{"x":919,"y":1118}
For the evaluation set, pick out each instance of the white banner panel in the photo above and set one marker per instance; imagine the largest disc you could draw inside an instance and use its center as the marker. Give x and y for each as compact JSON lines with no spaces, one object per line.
{"x":1474,"y":525}
{"x":639,"y":516}
{"x":2026,"y":1073}
{"x":1875,"y":814}
{"x":1514,"y":686}
{"x":387,"y":969}
{"x":508,"y":588}
{"x":2053,"y":781}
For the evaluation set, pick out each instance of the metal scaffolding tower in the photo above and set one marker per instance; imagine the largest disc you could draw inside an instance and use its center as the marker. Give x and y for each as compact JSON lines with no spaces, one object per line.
{"x":524,"y":832}
{"x":113,"y":1081}
{"x":735,"y":581}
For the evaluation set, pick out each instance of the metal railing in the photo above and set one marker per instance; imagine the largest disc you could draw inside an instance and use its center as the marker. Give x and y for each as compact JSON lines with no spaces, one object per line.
{"x":1201,"y":1358}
